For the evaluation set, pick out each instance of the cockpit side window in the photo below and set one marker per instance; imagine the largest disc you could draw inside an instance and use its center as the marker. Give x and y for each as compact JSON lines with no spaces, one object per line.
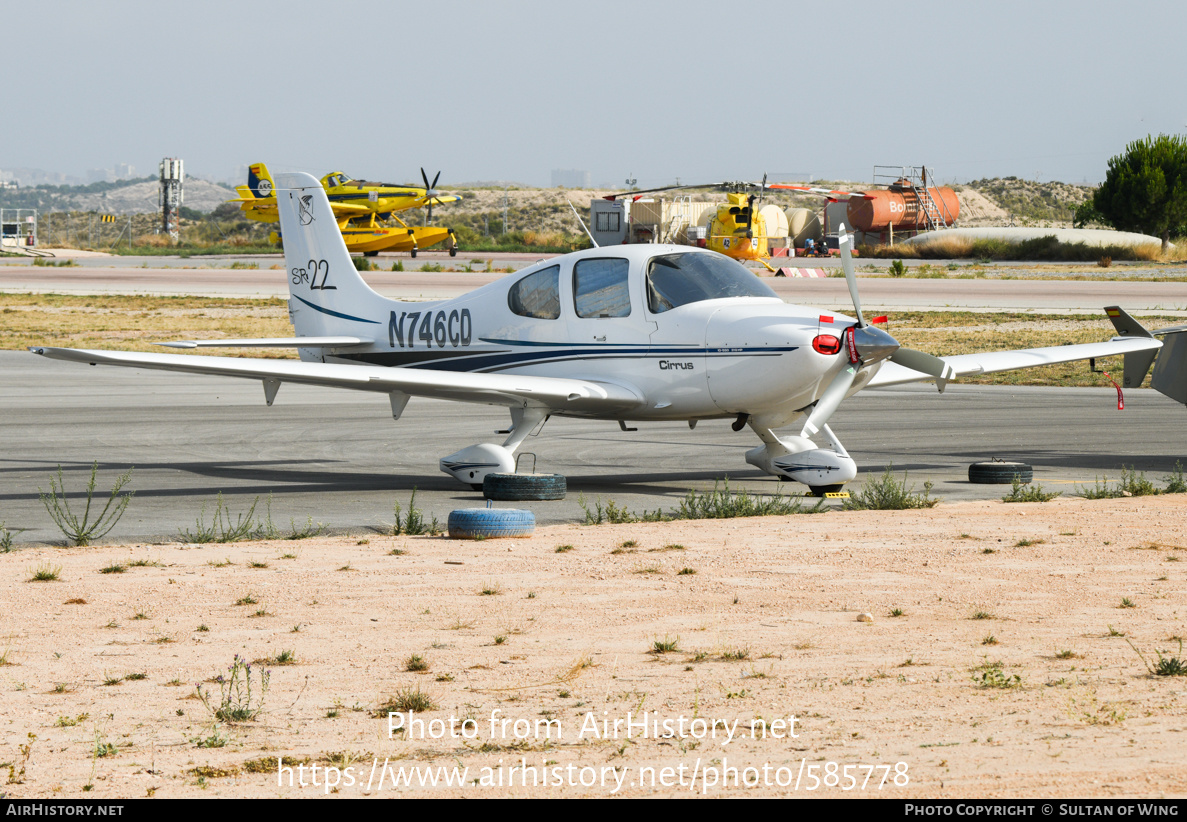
{"x":600,"y":288}
{"x":537,"y":295}
{"x":674,"y":280}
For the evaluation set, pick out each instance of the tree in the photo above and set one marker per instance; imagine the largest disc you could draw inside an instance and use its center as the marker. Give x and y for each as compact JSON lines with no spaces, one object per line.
{"x":1146,"y":188}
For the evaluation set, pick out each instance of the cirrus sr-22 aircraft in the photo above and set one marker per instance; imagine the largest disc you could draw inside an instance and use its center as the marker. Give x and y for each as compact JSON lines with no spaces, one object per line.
{"x":629,"y":333}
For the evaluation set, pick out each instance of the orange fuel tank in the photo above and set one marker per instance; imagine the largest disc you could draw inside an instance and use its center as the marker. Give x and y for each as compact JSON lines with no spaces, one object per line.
{"x":899,"y":208}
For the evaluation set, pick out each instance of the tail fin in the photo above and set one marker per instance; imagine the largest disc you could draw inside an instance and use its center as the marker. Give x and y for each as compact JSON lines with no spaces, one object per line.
{"x":1170,"y":371}
{"x":259,"y":180}
{"x":327,"y":295}
{"x":1136,"y":365}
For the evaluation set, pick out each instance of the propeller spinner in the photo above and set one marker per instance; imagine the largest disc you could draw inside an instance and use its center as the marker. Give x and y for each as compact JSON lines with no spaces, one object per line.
{"x":430,"y":189}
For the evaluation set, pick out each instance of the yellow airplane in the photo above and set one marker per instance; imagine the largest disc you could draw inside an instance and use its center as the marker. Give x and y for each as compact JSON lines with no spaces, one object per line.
{"x":358,"y":206}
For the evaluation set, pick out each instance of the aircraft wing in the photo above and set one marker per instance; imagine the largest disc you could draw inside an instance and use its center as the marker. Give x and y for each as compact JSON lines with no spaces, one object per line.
{"x":349,"y":210}
{"x":990,"y":362}
{"x":555,"y":394}
{"x":268,"y":204}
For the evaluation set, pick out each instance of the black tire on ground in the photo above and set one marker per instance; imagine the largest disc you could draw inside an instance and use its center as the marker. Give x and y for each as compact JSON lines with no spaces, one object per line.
{"x":413,"y":253}
{"x":1000,"y":473}
{"x":453,"y":251}
{"x":490,"y":523}
{"x":370,"y":253}
{"x":516,"y":487}
{"x":821,"y":490}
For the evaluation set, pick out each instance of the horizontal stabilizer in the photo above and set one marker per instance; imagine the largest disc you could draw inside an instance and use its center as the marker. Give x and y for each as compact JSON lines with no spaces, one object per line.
{"x":272,"y":342}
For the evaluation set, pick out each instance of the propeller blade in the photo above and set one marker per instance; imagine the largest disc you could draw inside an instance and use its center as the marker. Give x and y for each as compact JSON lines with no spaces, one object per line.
{"x":435,"y":179}
{"x":925,"y":364}
{"x":425,"y":177}
{"x":844,"y":240}
{"x":829,"y":401}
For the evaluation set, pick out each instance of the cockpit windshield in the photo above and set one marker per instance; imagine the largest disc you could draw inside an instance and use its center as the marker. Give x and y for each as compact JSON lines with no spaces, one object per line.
{"x":674,"y":280}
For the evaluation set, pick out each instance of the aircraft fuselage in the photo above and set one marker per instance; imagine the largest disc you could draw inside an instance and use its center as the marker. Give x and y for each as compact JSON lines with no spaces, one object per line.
{"x":707,"y":359}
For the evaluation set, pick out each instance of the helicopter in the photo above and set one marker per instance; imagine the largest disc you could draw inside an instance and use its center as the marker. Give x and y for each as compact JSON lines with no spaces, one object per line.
{"x":736,"y":228}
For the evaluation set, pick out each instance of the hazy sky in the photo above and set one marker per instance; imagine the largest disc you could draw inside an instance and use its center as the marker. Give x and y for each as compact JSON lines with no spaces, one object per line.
{"x":511,"y":90}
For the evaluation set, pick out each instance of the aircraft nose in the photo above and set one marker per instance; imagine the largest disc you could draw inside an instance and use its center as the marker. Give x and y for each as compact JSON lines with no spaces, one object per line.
{"x":873,"y":344}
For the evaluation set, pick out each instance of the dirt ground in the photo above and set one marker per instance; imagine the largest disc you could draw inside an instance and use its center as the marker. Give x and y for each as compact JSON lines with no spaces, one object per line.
{"x":1001,"y":660}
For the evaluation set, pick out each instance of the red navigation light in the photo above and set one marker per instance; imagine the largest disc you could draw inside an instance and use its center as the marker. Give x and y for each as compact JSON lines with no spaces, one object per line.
{"x":826,"y":344}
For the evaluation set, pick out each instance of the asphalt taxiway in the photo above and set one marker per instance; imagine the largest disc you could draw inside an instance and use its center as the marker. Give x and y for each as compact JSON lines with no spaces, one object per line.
{"x":337,"y":456}
{"x":883,"y":293}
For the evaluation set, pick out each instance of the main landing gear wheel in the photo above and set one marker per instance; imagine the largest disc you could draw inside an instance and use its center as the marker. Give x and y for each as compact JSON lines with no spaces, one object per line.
{"x":490,"y":523}
{"x":453,"y":251}
{"x":516,"y":487}
{"x":821,"y":490}
{"x":370,"y":253}
{"x":413,"y":253}
{"x":998,"y":472}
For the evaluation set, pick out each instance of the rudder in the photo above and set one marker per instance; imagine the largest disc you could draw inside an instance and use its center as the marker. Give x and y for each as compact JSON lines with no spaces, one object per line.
{"x":259,"y":180}
{"x":327,"y":295}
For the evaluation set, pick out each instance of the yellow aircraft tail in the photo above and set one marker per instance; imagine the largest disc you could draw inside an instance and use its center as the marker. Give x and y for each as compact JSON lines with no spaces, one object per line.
{"x":259,"y":180}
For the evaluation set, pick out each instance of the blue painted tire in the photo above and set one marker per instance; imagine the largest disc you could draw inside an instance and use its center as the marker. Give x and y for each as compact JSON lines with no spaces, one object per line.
{"x":491,"y":523}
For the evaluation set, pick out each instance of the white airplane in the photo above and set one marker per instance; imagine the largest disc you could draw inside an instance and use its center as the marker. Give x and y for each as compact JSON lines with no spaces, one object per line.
{"x":629,"y":333}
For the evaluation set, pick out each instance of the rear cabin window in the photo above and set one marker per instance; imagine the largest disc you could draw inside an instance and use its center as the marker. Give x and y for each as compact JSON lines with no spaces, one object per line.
{"x":674,"y":280}
{"x":537,"y":295}
{"x":600,"y":288}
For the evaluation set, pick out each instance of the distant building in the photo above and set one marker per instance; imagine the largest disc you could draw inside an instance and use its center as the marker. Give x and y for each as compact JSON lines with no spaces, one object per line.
{"x":125,"y":171}
{"x":570,"y":178}
{"x":35,"y":176}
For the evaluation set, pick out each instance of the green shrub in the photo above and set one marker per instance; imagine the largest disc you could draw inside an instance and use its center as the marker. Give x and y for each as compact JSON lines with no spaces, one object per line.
{"x":1175,"y":484}
{"x":1028,"y":493}
{"x":1166,"y":665}
{"x":82,"y":530}
{"x":724,"y":504}
{"x":888,"y":494}
{"x":236,"y":701}
{"x":413,"y":523}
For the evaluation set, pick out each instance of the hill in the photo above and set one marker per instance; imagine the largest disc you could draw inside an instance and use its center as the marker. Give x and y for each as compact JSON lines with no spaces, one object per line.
{"x":1023,"y":202}
{"x":995,"y":201}
{"x":1000,"y":201}
{"x":123,"y":197}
